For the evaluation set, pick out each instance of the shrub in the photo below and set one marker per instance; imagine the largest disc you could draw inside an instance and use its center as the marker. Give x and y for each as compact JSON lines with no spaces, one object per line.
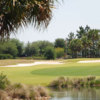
{"x":97,"y":82}
{"x":20,"y":92}
{"x":63,"y":82}
{"x":23,"y":92}
{"x":59,"y":52}
{"x":3,"y":95}
{"x":50,"y":53}
{"x":4,"y":82}
{"x":59,"y":83}
{"x":9,"y":48}
{"x":6,"y":56}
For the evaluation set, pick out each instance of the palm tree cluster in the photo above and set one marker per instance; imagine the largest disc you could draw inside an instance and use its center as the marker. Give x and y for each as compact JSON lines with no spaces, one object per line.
{"x":15,"y":13}
{"x":86,"y":43}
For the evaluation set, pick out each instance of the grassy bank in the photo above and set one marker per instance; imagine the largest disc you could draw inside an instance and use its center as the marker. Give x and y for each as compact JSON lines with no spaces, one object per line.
{"x":65,"y":82}
{"x":17,"y":91}
{"x":44,"y":74}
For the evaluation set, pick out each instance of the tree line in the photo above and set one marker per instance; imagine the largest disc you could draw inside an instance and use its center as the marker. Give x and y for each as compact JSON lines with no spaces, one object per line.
{"x":14,"y":48}
{"x":85,"y":43}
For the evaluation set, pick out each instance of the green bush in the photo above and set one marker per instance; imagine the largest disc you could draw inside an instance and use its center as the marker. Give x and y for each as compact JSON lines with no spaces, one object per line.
{"x":59,"y":52}
{"x":63,"y":82}
{"x":50,"y":53}
{"x":6,"y":56}
{"x":4,"y":82}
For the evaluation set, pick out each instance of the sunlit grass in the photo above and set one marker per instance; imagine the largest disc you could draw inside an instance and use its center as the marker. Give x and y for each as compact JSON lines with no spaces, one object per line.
{"x":44,"y":74}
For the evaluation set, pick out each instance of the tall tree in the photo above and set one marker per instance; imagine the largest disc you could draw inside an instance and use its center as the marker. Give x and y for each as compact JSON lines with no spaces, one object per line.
{"x":82,"y":31}
{"x":19,"y":45}
{"x":86,"y":45}
{"x":94,"y":36}
{"x":70,"y":37}
{"x":75,"y":46}
{"x":98,"y":45}
{"x":59,"y":43}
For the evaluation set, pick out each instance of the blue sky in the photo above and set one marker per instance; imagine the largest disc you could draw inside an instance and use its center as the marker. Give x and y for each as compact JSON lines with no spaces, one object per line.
{"x":67,"y":17}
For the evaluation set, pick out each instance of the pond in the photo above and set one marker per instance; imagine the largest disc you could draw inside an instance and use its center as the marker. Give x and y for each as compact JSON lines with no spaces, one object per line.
{"x":77,"y":94}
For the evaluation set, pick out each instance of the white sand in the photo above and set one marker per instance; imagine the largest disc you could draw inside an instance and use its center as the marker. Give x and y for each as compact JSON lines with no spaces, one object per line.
{"x":33,"y":64}
{"x":89,"y":61}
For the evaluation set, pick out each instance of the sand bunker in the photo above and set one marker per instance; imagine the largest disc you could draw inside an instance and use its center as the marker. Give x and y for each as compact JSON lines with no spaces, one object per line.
{"x":33,"y":64}
{"x":90,"y":61}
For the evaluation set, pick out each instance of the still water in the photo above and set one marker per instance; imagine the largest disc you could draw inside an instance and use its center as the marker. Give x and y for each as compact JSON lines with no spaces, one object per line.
{"x":77,"y":94}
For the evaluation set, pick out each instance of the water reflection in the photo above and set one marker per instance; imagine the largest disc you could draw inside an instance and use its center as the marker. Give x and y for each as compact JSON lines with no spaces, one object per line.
{"x":77,"y":94}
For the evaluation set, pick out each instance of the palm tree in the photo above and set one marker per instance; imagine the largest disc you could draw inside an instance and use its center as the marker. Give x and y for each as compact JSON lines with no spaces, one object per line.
{"x":71,"y":36}
{"x":86,"y":45}
{"x":82,"y":31}
{"x":98,"y":46}
{"x":93,"y":35}
{"x":15,"y":13}
{"x":75,"y":46}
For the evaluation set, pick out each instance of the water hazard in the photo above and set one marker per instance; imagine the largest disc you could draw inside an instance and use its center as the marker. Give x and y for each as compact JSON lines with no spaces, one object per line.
{"x":77,"y":94}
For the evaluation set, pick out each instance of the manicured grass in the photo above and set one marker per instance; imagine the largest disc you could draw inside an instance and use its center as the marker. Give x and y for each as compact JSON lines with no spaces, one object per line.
{"x":43,"y":74}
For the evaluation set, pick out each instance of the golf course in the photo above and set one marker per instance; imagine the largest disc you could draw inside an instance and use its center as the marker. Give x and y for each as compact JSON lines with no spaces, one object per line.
{"x":43,"y":74}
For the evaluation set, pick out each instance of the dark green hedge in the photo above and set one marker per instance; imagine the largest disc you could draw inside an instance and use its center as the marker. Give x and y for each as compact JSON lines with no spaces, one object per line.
{"x":6,"y":56}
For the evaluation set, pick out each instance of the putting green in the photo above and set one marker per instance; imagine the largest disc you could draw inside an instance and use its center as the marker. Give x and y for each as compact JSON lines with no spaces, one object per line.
{"x":43,"y":74}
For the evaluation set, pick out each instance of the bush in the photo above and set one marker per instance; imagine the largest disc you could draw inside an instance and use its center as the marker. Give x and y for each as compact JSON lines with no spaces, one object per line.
{"x":59,"y":52}
{"x":6,"y":56}
{"x":50,"y":53}
{"x":4,"y":82}
{"x":9,"y":48}
{"x":63,"y":82}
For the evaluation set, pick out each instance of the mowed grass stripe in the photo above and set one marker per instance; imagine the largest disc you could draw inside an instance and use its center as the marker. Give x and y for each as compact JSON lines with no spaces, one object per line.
{"x":82,"y":70}
{"x":44,"y":74}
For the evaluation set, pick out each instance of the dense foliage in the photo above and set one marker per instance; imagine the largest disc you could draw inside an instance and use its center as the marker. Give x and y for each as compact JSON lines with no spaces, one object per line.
{"x":63,"y":82}
{"x":85,"y":43}
{"x":59,"y":52}
{"x":17,"y":91}
{"x":50,"y":53}
{"x":4,"y":82}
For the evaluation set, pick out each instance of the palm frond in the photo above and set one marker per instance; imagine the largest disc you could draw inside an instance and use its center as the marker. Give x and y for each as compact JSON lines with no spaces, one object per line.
{"x":15,"y":13}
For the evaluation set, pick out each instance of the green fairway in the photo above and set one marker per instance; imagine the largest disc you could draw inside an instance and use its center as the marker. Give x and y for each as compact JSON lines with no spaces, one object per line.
{"x":43,"y":74}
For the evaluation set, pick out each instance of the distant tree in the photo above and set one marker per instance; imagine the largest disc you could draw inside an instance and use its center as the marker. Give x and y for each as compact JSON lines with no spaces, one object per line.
{"x":70,"y":37}
{"x":98,"y":46}
{"x":86,"y":45}
{"x":27,"y":51}
{"x":43,"y":45}
{"x":59,"y":43}
{"x":93,"y":35}
{"x":82,"y":31}
{"x":10,"y":48}
{"x":75,"y":46}
{"x":50,"y":53}
{"x":59,"y":52}
{"x":37,"y":48}
{"x":19,"y":45}
{"x":34,"y":49}
{"x":1,"y":47}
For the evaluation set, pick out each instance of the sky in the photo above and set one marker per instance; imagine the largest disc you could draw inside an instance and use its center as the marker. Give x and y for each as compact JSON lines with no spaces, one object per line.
{"x":67,"y":17}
